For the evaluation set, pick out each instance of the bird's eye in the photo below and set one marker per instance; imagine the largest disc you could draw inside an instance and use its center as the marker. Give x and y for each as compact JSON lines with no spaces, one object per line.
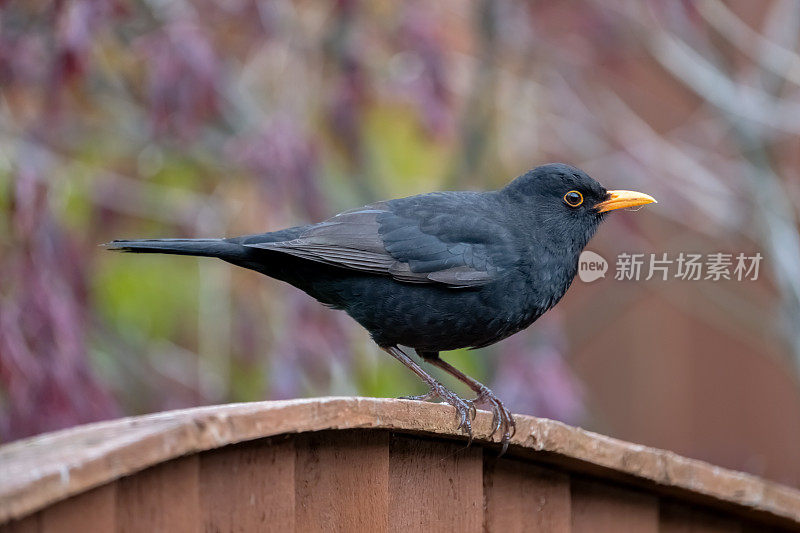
{"x":573,"y":198}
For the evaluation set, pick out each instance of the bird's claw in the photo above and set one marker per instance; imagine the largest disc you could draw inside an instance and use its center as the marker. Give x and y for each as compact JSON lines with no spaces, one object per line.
{"x":473,"y":411}
{"x":465,"y":410}
{"x":502,"y":419}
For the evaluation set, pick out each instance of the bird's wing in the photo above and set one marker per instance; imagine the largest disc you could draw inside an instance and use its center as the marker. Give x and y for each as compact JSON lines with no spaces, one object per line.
{"x":426,"y":239}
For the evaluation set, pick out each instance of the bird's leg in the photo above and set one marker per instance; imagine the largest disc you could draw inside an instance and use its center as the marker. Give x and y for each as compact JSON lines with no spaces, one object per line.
{"x":428,"y":356}
{"x":437,"y":390}
{"x":502,"y":419}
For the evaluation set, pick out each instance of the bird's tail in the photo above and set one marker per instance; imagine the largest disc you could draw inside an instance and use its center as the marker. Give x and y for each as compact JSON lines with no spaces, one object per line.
{"x":201,"y":247}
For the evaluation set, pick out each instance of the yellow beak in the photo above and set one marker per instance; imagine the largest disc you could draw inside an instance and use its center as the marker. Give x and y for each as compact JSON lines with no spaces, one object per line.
{"x":620,"y":199}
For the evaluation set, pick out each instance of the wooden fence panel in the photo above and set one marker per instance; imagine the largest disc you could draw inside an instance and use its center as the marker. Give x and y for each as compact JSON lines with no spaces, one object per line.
{"x":249,"y":487}
{"x":681,"y":518}
{"x":520,"y":496}
{"x":161,"y":498}
{"x":600,"y":508}
{"x":94,"y":510}
{"x":342,"y":481}
{"x":435,"y":486}
{"x":366,"y":465}
{"x":29,"y":524}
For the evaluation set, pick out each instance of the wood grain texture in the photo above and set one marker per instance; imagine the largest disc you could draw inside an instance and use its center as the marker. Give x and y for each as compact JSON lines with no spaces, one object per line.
{"x":520,"y":496}
{"x":162,"y":498}
{"x":37,"y":472}
{"x":342,"y":481}
{"x":94,"y":510}
{"x":434,"y":486}
{"x":602,"y":508}
{"x":249,"y":486}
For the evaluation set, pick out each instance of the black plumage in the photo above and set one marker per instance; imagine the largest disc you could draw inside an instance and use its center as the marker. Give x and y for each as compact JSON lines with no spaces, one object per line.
{"x":437,"y":271}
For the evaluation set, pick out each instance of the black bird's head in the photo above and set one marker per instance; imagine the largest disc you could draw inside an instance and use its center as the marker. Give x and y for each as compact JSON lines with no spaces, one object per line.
{"x":566,"y":205}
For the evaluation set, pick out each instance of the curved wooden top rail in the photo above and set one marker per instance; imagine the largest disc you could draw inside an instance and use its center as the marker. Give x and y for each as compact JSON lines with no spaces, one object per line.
{"x":39,"y":471}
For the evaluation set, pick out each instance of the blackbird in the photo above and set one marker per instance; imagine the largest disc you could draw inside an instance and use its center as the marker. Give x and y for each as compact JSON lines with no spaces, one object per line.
{"x":437,"y":271}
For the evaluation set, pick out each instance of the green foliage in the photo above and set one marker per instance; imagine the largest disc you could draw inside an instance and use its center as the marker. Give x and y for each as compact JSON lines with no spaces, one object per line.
{"x":147,"y":296}
{"x":406,"y":159}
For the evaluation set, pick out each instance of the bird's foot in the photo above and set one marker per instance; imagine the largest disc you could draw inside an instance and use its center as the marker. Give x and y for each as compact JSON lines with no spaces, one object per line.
{"x":464,"y":408}
{"x":502,"y":419}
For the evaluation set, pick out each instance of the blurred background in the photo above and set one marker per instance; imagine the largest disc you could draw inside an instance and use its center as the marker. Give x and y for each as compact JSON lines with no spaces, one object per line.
{"x":156,"y":118}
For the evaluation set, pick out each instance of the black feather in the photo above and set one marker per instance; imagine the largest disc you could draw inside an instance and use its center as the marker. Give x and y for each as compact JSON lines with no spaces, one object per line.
{"x":437,"y":271}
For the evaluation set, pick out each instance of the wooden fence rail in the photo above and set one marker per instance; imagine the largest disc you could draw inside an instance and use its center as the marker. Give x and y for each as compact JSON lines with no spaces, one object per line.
{"x":359,"y":464}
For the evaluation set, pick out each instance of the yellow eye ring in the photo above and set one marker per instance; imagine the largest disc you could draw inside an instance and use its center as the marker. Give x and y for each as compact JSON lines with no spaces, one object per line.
{"x":573,"y":198}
